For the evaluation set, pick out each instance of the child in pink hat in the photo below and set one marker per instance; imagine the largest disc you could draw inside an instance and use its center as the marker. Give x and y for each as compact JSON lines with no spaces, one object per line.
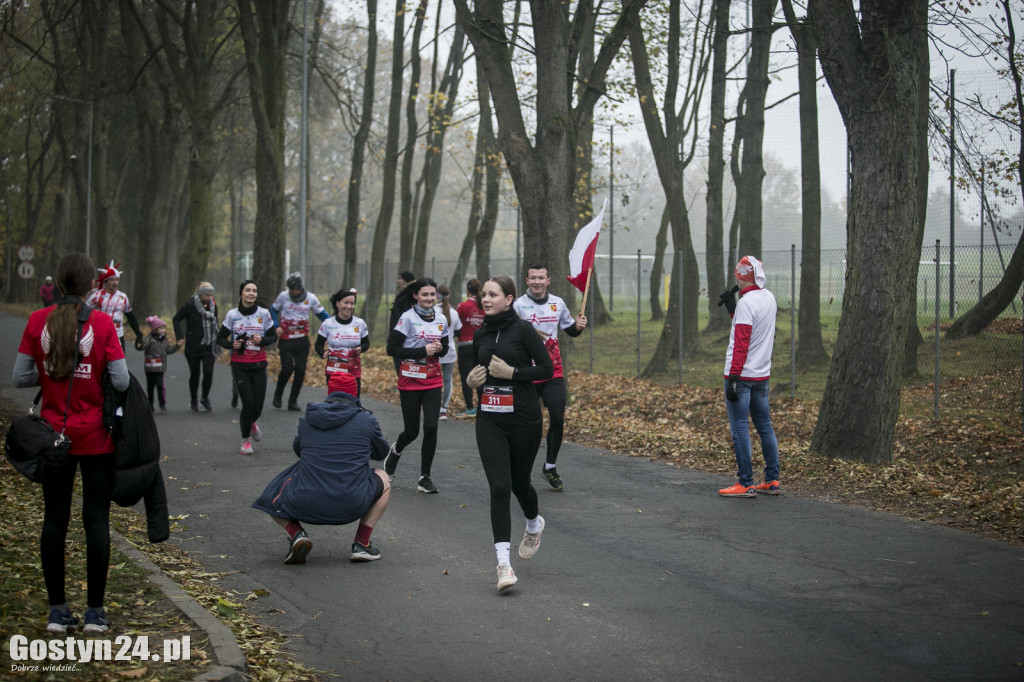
{"x":157,"y":347}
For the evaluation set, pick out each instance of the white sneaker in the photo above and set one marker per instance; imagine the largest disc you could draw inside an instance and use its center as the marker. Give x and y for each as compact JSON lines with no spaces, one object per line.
{"x":531,"y":542}
{"x":506,"y":577}
{"x":256,"y":434}
{"x":444,"y":415}
{"x":246,"y":447}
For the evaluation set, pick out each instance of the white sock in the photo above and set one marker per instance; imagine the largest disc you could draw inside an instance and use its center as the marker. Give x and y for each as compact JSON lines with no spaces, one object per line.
{"x":501,"y":549}
{"x":533,"y":525}
{"x":548,"y":465}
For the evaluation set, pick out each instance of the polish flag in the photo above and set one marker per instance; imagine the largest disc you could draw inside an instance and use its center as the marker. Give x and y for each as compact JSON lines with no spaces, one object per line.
{"x":581,"y":256}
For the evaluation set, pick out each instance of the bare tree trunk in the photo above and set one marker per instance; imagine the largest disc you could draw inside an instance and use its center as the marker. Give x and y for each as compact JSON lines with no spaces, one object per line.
{"x":355,"y":181}
{"x":387,"y":200}
{"x":658,"y":267}
{"x":810,"y":349}
{"x":873,"y":56}
{"x":407,"y":205}
{"x":718,"y":317}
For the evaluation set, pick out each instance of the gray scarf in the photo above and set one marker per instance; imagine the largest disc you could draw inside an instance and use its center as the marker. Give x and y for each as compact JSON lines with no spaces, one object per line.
{"x":209,"y":320}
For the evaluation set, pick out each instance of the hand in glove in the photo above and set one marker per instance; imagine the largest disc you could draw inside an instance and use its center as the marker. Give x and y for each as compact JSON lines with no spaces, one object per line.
{"x":729,"y":299}
{"x":476,"y":377}
{"x":500,"y":368}
{"x":730,"y":388}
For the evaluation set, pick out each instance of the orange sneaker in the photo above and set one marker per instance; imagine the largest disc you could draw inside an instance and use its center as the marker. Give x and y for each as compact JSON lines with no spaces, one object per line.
{"x":768,"y":488}
{"x":738,"y":490}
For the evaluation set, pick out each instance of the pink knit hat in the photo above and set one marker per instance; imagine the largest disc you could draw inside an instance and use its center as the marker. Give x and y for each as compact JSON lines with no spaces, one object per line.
{"x":155,"y":322}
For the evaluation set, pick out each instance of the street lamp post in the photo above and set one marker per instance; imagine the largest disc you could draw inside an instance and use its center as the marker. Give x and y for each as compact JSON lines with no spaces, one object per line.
{"x":88,"y":182}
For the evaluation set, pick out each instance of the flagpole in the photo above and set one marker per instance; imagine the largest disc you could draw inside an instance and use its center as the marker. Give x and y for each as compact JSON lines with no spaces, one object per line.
{"x":586,"y":290}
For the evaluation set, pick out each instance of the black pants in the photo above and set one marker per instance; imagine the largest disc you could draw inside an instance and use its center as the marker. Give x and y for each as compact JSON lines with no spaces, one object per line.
{"x":97,"y":484}
{"x":203,"y":360}
{"x":507,"y":452}
{"x":464,"y":356}
{"x":553,"y":394}
{"x":294,"y":356}
{"x":155,"y":383}
{"x":251,"y":383}
{"x":430,"y":403}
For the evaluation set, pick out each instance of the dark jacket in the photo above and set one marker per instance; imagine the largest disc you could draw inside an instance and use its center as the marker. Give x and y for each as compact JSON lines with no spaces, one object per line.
{"x":332,"y":483}
{"x":194,"y":332}
{"x":517,"y":343}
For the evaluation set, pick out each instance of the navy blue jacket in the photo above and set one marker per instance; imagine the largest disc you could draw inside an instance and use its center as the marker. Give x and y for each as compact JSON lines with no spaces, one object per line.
{"x":332,"y":483}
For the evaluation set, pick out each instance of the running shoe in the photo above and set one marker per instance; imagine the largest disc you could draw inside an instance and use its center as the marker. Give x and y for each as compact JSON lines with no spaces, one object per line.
{"x":276,"y":401}
{"x":391,"y":461}
{"x":768,"y":488}
{"x":444,"y":415}
{"x":554,"y":480}
{"x":426,"y":485}
{"x":96,"y":620}
{"x":298,"y":548}
{"x":471,"y":413}
{"x":206,"y":404}
{"x":531,"y":542}
{"x":256,"y":434}
{"x":234,"y":400}
{"x":61,"y":622}
{"x":163,"y":408}
{"x":738,"y":490}
{"x":246,"y":448}
{"x":506,"y":577}
{"x":364,"y":552}
{"x":294,"y":407}
{"x":194,"y":406}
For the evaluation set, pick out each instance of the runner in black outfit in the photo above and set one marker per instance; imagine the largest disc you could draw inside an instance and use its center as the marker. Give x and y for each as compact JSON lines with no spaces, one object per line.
{"x":510,"y":356}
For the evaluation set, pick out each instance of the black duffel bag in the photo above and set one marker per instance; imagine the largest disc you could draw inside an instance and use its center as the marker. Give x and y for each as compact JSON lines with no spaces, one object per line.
{"x":33,"y":445}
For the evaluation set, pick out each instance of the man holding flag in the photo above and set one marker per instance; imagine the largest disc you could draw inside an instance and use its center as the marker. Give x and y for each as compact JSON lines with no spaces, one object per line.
{"x":549,"y":313}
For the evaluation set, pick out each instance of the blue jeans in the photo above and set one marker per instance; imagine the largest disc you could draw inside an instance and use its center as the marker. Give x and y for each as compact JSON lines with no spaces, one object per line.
{"x":754,"y":401}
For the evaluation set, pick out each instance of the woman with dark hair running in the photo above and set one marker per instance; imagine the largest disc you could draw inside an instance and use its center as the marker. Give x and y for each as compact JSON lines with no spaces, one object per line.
{"x":417,"y":342}
{"x":448,"y":359}
{"x":509,"y":357}
{"x":341,"y":341}
{"x":56,"y":344}
{"x":471,"y":314}
{"x":247,"y":331}
{"x":200,"y":315}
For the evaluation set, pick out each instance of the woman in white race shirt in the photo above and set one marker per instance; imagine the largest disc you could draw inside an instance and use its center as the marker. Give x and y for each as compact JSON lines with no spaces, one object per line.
{"x":449,"y":358}
{"x":247,"y":331}
{"x":341,"y":341}
{"x":419,"y":340}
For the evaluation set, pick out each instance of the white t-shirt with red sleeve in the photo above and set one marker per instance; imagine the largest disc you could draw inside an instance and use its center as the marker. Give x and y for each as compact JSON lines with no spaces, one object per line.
{"x":420,"y":374}
{"x":342,"y":343}
{"x":99,"y":346}
{"x":293,"y":317}
{"x":547,"y":318}
{"x":753,"y":335}
{"x":258,"y":323}
{"x":115,"y":305}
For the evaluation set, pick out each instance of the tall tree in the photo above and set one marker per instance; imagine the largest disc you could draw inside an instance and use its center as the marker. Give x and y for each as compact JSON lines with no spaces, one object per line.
{"x":718,"y":317}
{"x":673,"y":142}
{"x":544,"y":172}
{"x":387,"y":199}
{"x":264,"y":26}
{"x":871,"y":58}
{"x":407,"y":206}
{"x":355,"y":179}
{"x":811,"y":348}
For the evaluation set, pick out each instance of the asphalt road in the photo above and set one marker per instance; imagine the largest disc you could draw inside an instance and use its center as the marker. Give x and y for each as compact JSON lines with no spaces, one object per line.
{"x":644,"y":572}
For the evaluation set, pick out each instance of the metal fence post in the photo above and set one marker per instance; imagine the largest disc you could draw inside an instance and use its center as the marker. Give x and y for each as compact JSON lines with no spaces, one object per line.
{"x":938,"y":298}
{"x":792,"y":321}
{"x":638,"y":306}
{"x":679,"y":312}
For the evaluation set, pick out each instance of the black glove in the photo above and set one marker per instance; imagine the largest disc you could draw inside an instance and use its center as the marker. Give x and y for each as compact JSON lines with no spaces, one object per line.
{"x":730,"y":388}
{"x":729,"y":299}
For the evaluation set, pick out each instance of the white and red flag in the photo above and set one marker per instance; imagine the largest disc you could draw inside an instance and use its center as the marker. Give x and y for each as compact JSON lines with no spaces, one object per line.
{"x":581,"y":256}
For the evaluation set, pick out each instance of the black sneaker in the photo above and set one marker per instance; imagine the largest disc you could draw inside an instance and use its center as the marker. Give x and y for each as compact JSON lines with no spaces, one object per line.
{"x":298,"y":548}
{"x":364,"y":552}
{"x":426,"y":485}
{"x":60,"y":622}
{"x":194,"y":406}
{"x":391,"y":461}
{"x":96,"y":620}
{"x":234,"y":400}
{"x":294,"y":407}
{"x":206,"y":404}
{"x":554,"y":480}
{"x":276,"y":401}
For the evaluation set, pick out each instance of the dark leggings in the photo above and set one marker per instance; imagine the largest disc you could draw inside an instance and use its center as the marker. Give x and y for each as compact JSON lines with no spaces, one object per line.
{"x":252,"y":390}
{"x":553,"y":394}
{"x":294,"y":355}
{"x":155,"y":382}
{"x":97,"y":484}
{"x":464,"y":355}
{"x":430,"y":402}
{"x":202,"y":361}
{"x":507,"y":452}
